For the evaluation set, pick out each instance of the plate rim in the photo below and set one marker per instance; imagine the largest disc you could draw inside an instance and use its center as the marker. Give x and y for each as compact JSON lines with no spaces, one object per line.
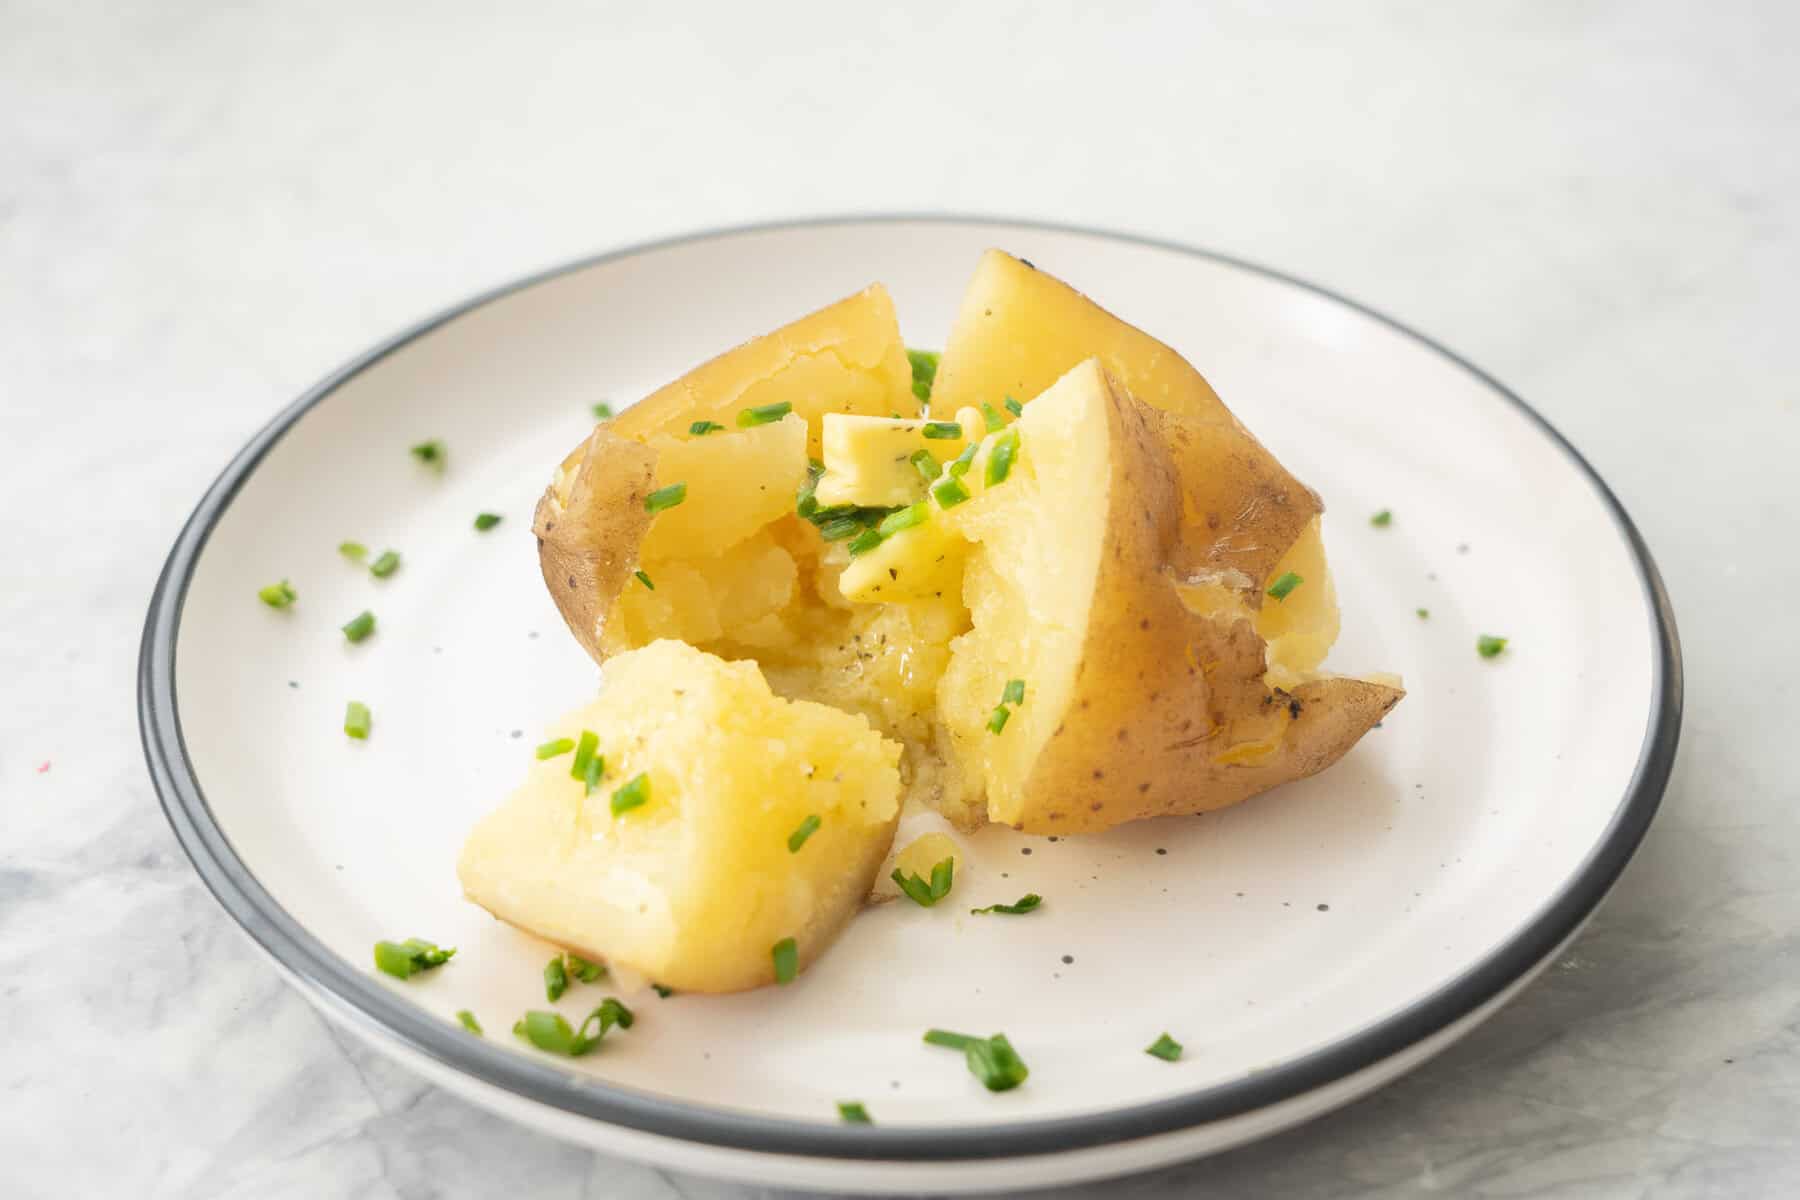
{"x":360,"y":995}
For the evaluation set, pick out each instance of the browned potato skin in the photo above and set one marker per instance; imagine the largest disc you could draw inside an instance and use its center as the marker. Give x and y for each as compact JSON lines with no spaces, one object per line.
{"x":1141,"y":737}
{"x":588,"y":545}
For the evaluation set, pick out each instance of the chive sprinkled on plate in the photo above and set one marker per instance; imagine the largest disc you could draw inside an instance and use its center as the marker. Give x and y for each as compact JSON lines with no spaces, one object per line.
{"x":992,"y":1060}
{"x":1489,"y":646}
{"x":1165,"y":1048}
{"x":997,"y":719}
{"x":803,"y":831}
{"x":904,"y":518}
{"x":634,"y":794}
{"x":556,"y":979}
{"x":924,"y":464}
{"x":702,"y":428}
{"x":864,"y":542}
{"x":405,"y":959}
{"x":926,"y":893}
{"x":949,"y":492}
{"x":643,"y":577}
{"x":354,"y":551}
{"x":942,"y":431}
{"x":553,"y":748}
{"x":1287,"y":583}
{"x":1423,"y":613}
{"x":486,"y":521}
{"x":1000,"y":458}
{"x":360,"y":626}
{"x":277,"y":595}
{"x":661,"y":991}
{"x":356,"y":720}
{"x":1029,"y":902}
{"x":603,"y":411}
{"x":1014,"y":407}
{"x":550,"y":1031}
{"x":665,"y":497}
{"x":1382,"y":519}
{"x":468,"y":1021}
{"x":764,"y":414}
{"x":851,"y":1112}
{"x":584,"y":754}
{"x":386,"y":564}
{"x":585,"y":971}
{"x":432,"y":453}
{"x":785,"y":954}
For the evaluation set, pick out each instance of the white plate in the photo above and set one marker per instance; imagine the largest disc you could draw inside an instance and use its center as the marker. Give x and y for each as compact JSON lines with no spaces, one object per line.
{"x":1304,"y":946}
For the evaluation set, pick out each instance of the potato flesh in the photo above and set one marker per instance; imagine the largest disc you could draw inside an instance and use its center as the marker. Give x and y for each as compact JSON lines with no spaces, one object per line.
{"x":738,"y":481}
{"x":695,"y":887}
{"x":1300,"y":628}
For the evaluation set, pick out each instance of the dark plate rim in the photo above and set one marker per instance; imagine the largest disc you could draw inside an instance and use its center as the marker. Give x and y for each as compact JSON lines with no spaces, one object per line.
{"x":358,"y":993}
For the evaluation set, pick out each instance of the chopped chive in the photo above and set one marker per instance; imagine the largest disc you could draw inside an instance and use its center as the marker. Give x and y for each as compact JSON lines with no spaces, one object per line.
{"x":1165,"y":1048}
{"x":405,"y":959}
{"x":865,"y":541}
{"x":997,"y":719}
{"x":996,"y":1063}
{"x":903,"y":518}
{"x":1281,"y":587}
{"x":1382,"y":518}
{"x":552,"y":749}
{"x":556,"y":980}
{"x":1014,"y":693}
{"x":356,"y":720}
{"x":1000,"y":458}
{"x":1489,"y":646}
{"x":1423,"y":613}
{"x":468,"y":1021}
{"x":923,"y":893}
{"x":851,"y":1112}
{"x":953,"y":1041}
{"x":432,"y":453}
{"x":552,"y":1032}
{"x":634,"y":794}
{"x":950,"y":492}
{"x":1014,"y":407}
{"x":354,"y":551}
{"x":661,"y":991}
{"x":839,"y":528}
{"x":603,"y":411}
{"x":584,"y":754}
{"x":1029,"y":902}
{"x":386,"y":565}
{"x":994,"y":421}
{"x":702,"y":428}
{"x":786,"y":956}
{"x":959,"y":466}
{"x":643,"y":577}
{"x":924,"y":464}
{"x":486,"y":521}
{"x":806,"y":500}
{"x":942,"y":431}
{"x":585,"y":971}
{"x":590,"y":778}
{"x":924,"y":372}
{"x":277,"y":595}
{"x":803,"y":831}
{"x":360,"y":626}
{"x":763,"y":414}
{"x":665,"y":497}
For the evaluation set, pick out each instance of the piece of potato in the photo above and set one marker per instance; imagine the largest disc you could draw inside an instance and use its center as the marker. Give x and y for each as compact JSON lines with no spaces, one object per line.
{"x":695,"y":887}
{"x":1020,"y":330}
{"x":1135,"y":704}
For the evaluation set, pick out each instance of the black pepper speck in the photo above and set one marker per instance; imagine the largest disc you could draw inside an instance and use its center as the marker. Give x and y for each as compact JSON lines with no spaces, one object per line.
{"x":1324,"y":908}
{"x":1068,"y":958}
{"x":1161,"y":850}
{"x":1024,"y":849}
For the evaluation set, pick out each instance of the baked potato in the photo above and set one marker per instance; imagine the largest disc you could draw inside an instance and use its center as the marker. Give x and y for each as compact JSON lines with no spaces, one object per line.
{"x":759,"y":820}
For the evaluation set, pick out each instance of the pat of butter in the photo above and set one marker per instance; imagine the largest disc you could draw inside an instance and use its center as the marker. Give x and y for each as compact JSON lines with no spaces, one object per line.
{"x":868,"y":461}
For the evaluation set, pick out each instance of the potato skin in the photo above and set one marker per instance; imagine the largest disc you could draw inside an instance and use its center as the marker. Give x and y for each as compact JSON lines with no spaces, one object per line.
{"x":1161,"y":692}
{"x":589,"y":534}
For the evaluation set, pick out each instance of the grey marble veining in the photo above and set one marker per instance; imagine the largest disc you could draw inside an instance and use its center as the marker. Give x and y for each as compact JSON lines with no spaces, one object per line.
{"x":205,"y":207}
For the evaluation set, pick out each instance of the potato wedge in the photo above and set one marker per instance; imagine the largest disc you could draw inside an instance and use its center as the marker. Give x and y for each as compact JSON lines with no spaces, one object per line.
{"x":695,"y":886}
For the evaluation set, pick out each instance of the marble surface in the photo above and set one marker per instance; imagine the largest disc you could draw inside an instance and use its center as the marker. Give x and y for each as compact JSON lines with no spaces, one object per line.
{"x":204,"y":207}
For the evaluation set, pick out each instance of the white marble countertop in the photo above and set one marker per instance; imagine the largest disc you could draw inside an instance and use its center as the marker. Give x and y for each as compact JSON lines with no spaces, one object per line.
{"x":204,"y":207}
